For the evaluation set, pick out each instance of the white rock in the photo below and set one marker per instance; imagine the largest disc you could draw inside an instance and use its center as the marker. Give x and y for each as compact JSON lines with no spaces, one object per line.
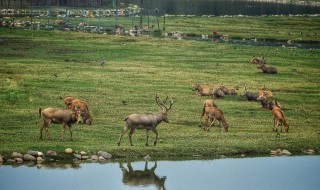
{"x":83,"y":153}
{"x":68,"y":150}
{"x":94,"y":157}
{"x":40,"y":154}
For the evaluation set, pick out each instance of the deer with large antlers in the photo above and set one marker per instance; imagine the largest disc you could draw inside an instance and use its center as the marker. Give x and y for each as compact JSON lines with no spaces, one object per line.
{"x":146,"y":121}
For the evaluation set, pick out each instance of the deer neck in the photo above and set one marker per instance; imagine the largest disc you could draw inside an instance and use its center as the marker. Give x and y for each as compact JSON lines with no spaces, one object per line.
{"x":160,"y":117}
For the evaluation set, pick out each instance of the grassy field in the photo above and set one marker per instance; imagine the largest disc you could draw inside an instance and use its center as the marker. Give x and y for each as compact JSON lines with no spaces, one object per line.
{"x":38,"y":68}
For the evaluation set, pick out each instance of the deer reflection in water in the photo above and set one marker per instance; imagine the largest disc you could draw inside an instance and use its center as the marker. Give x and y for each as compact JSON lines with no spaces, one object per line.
{"x":144,"y":177}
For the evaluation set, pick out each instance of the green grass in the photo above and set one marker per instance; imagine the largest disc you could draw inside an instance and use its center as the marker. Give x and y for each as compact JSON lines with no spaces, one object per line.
{"x":37,"y":68}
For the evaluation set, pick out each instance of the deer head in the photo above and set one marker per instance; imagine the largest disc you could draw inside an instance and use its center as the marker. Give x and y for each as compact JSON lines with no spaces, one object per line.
{"x":162,"y":104}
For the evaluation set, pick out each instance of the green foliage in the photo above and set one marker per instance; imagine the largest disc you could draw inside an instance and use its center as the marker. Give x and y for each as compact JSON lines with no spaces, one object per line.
{"x":40,"y":68}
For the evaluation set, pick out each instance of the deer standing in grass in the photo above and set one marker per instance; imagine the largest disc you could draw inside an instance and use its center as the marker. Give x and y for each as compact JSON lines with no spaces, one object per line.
{"x":146,"y":121}
{"x":278,"y":119}
{"x":216,"y":114}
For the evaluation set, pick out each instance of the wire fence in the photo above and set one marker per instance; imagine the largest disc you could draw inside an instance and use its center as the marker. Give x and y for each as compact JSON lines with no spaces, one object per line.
{"x":98,"y":20}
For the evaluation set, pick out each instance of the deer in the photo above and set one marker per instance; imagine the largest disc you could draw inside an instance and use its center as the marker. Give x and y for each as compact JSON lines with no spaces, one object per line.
{"x":216,"y":114}
{"x":146,"y":121}
{"x":58,"y":116}
{"x":202,"y":90}
{"x":207,"y":104}
{"x":279,"y":119}
{"x":258,"y":60}
{"x":217,"y":93}
{"x":267,"y":70}
{"x":250,"y":95}
{"x":267,"y":104}
{"x":229,"y":91}
{"x":268,"y":93}
{"x":68,"y":102}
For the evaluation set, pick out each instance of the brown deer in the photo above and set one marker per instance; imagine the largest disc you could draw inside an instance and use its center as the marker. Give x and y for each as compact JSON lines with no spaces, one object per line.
{"x":258,"y":60}
{"x":58,"y":116}
{"x":83,"y":107}
{"x":207,"y":104}
{"x":267,"y":92}
{"x":146,"y":121}
{"x":217,"y":114}
{"x":202,"y":90}
{"x":228,"y":90}
{"x":67,"y":102}
{"x":268,"y":70}
{"x":267,"y":104}
{"x":279,"y":120}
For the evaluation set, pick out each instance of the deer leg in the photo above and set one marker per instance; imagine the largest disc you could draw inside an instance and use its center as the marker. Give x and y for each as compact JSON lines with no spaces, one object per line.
{"x":156,"y":132}
{"x":130,"y":135}
{"x":47,"y":124}
{"x":41,"y":129}
{"x":70,"y":129}
{"x":274,"y":124}
{"x":212,"y":123}
{"x":124,"y":130}
{"x":63,"y":130}
{"x":206,"y":122}
{"x":147,"y":133}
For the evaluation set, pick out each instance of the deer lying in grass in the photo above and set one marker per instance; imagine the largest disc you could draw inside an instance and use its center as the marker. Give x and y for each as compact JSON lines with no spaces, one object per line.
{"x":267,"y":104}
{"x":202,"y":90}
{"x":279,"y":120}
{"x":250,"y":95}
{"x":217,"y":93}
{"x":268,"y":70}
{"x":268,"y":93}
{"x":228,"y":90}
{"x":146,"y":121}
{"x":217,"y":114}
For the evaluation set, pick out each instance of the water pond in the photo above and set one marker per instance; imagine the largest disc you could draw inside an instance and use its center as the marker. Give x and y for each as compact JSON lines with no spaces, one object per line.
{"x":295,"y":172}
{"x":230,"y":7}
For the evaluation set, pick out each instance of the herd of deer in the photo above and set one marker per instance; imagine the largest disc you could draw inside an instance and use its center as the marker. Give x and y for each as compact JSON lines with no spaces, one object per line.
{"x":77,"y":110}
{"x":210,"y":109}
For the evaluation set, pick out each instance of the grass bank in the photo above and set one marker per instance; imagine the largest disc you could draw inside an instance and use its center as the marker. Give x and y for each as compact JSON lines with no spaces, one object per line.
{"x":38,"y":68}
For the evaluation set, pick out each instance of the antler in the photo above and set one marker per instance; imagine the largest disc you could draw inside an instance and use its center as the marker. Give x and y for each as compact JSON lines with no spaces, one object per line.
{"x":162,"y":104}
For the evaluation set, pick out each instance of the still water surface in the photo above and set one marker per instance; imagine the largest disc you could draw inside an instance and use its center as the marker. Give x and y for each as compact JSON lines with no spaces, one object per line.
{"x":296,"y":172}
{"x":228,"y":7}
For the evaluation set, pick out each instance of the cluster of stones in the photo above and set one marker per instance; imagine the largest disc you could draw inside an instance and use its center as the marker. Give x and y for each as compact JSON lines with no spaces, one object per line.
{"x":82,"y":155}
{"x":39,"y":157}
{"x":310,"y":151}
{"x":280,"y":152}
{"x":285,"y":152}
{"x":33,"y":156}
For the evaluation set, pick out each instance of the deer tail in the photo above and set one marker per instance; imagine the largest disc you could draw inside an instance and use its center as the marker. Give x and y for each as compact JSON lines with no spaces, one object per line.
{"x":126,"y":119}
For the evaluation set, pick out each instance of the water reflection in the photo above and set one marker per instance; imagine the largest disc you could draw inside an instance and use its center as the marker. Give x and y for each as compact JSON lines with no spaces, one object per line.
{"x":264,"y":173}
{"x":145,"y":177}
